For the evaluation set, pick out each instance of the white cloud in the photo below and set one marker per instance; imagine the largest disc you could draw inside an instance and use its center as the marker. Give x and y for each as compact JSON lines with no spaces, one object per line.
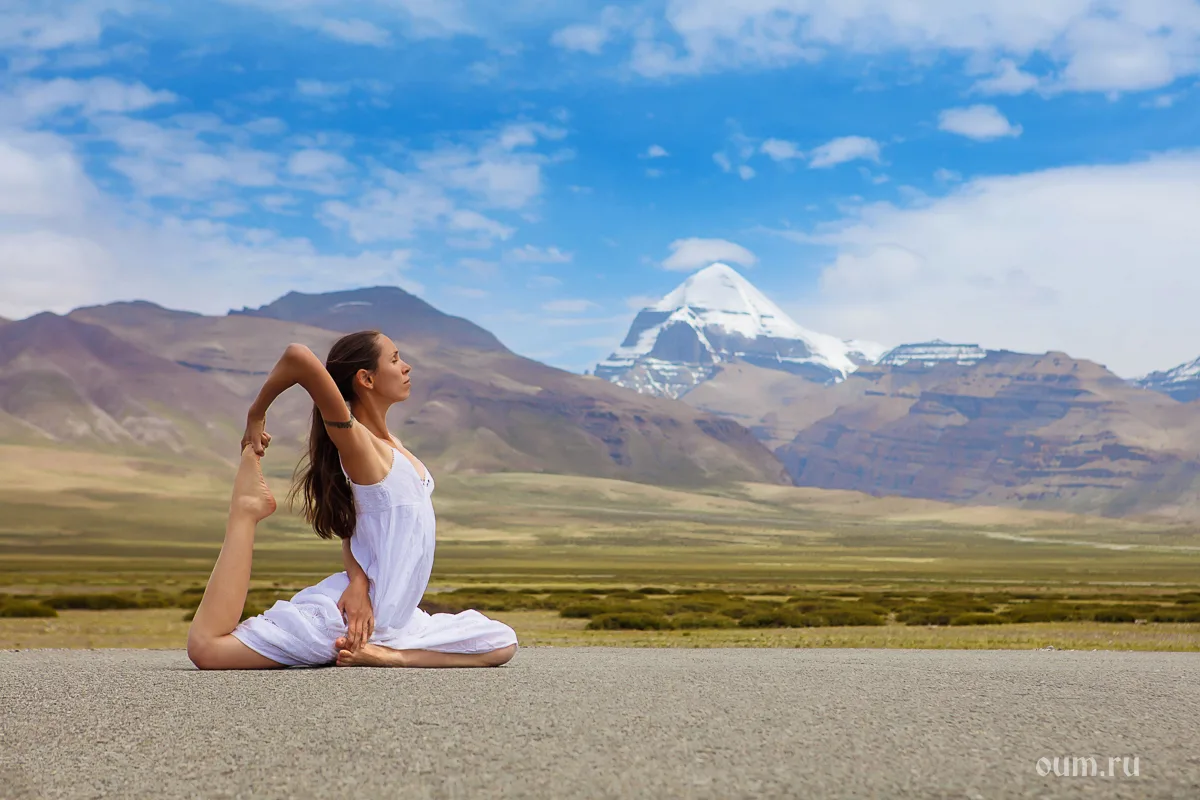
{"x":689,"y":254}
{"x":568,"y":306}
{"x":654,"y":173}
{"x":419,"y":19}
{"x":943,"y":175}
{"x":479,"y":267}
{"x":322,"y":89}
{"x":842,"y":150}
{"x":584,"y":38}
{"x":1097,"y":261}
{"x":469,"y":292}
{"x":501,"y":172}
{"x":469,"y":221}
{"x":655,"y":151}
{"x":781,"y":150}
{"x":355,"y":31}
{"x":185,"y":156}
{"x":71,"y":244}
{"x":311,"y":163}
{"x":540,"y":255}
{"x":979,"y":122}
{"x":40,"y":176}
{"x":723,"y":162}
{"x":31,"y":100}
{"x":746,"y":172}
{"x":591,"y":38}
{"x":1102,"y":45}
{"x":640,"y":301}
{"x":51,"y":28}
{"x":498,"y":172}
{"x":1008,"y":79}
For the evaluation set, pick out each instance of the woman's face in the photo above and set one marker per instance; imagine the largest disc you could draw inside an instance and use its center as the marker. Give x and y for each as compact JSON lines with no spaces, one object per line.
{"x":392,"y":374}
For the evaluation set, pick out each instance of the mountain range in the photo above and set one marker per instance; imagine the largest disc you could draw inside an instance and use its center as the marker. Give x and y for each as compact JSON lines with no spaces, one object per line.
{"x":715,"y":383}
{"x":135,"y":375}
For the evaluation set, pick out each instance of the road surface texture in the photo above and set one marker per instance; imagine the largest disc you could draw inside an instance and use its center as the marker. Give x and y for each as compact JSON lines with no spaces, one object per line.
{"x":605,"y":723}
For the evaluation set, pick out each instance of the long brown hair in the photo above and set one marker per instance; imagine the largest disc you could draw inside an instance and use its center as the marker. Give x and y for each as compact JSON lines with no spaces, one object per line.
{"x":328,"y":499}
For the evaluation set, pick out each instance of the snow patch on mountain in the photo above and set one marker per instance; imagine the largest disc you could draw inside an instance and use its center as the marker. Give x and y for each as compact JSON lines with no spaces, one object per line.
{"x":1182,"y":382}
{"x":715,"y":316}
{"x":930,"y":354}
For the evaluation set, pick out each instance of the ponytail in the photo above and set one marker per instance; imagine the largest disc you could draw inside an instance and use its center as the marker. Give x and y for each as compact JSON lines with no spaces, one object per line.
{"x":328,"y":501}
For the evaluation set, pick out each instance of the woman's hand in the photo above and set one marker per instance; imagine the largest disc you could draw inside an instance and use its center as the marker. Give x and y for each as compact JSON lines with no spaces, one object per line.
{"x":255,"y":434}
{"x":355,"y":606}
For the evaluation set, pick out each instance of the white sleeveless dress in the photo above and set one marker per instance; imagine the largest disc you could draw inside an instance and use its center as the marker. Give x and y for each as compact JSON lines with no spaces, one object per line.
{"x":393,"y":542}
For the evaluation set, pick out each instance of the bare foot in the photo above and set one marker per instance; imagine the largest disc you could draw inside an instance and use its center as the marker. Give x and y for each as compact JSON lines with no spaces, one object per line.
{"x":370,"y":655}
{"x":250,"y":493}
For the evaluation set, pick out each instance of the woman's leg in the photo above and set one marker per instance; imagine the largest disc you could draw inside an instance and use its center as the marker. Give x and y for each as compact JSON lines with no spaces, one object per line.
{"x":373,"y":655}
{"x":210,"y":645}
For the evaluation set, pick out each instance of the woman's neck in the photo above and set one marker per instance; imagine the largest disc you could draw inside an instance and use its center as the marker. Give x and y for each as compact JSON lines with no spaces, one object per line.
{"x":373,"y":419}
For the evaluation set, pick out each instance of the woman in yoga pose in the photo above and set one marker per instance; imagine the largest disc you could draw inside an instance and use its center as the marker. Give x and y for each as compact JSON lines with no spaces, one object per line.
{"x":364,"y":487}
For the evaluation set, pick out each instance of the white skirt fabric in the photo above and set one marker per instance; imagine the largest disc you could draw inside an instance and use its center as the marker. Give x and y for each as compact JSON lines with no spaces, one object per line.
{"x":394,"y":540}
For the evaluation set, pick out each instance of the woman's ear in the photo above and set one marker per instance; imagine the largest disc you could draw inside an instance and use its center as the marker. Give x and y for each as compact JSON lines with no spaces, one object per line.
{"x":365,"y":377}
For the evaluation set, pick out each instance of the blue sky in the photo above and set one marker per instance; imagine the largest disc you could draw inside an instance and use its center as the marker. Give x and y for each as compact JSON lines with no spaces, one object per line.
{"x":1019,"y":174}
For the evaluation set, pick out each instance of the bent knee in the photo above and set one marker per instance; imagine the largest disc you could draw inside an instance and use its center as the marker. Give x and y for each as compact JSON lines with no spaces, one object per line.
{"x":502,"y":656}
{"x":202,"y":653}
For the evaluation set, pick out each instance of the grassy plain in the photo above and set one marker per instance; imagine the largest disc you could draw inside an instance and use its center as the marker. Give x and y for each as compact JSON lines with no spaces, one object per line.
{"x":72,"y":520}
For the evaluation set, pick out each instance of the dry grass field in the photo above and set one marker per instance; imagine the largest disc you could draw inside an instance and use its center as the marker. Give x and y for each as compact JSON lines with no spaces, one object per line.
{"x":91,"y":521}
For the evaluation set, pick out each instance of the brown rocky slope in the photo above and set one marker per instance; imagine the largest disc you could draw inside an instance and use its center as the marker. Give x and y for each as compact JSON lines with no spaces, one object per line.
{"x":475,"y":406}
{"x":1044,"y":431}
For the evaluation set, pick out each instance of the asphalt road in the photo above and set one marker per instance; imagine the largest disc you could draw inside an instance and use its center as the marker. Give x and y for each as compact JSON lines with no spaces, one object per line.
{"x":604,"y":722}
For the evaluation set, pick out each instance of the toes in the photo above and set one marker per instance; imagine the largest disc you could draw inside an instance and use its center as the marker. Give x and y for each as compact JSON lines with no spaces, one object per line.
{"x":341,"y":643}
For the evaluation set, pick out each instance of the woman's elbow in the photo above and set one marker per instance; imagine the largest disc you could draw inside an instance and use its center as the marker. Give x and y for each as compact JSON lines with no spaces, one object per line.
{"x":296,"y":351}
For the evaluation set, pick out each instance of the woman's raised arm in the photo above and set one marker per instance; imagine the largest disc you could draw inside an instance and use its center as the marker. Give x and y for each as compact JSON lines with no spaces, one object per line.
{"x":299,"y":365}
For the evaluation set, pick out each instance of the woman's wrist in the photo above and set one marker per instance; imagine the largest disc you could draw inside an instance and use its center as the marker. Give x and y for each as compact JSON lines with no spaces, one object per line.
{"x":359,"y":578}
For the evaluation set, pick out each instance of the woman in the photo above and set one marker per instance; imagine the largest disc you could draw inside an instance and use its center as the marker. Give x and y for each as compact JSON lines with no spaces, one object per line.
{"x":363,"y":486}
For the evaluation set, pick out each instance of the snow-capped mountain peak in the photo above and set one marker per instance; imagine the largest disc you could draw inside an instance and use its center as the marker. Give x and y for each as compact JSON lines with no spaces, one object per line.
{"x":717,"y":315}
{"x":1182,"y":382}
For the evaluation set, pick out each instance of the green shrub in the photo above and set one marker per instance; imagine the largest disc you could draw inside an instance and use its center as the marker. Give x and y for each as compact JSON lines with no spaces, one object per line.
{"x":653,"y":590}
{"x":849,"y":615}
{"x":435,"y":607}
{"x":625,"y":594}
{"x":1115,"y":614}
{"x":693,"y":621}
{"x":927,"y":615}
{"x":1184,"y":614}
{"x":629,"y":620}
{"x":26,"y":608}
{"x":1042,"y":612}
{"x":775,"y":618}
{"x":681,"y":604}
{"x":557,"y":602}
{"x":93,"y":602}
{"x":585,"y":610}
{"x":976,"y":619}
{"x":248,"y":611}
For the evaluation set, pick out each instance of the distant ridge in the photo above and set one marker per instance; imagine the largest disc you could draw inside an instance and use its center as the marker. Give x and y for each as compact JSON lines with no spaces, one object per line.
{"x":403,"y":316}
{"x":929,"y":354}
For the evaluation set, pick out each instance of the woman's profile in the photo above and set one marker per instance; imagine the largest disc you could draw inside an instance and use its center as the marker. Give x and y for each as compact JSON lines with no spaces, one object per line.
{"x":358,"y":484}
